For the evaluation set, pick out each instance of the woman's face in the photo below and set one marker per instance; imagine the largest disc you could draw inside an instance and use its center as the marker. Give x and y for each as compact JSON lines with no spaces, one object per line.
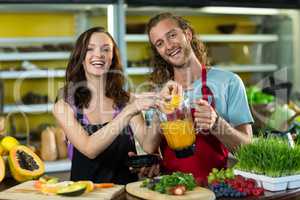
{"x":99,"y":54}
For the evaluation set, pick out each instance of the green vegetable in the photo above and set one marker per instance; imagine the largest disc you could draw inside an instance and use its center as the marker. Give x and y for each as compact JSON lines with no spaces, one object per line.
{"x":272,"y":157}
{"x":220,"y":175}
{"x":256,"y":96}
{"x":169,"y":181}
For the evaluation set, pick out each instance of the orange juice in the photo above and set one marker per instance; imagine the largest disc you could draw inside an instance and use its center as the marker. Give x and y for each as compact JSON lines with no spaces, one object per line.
{"x":179,"y":133}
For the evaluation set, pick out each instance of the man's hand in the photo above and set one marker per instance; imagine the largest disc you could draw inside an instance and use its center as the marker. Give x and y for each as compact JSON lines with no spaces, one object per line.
{"x":205,"y":116}
{"x":171,"y":88}
{"x":145,"y":171}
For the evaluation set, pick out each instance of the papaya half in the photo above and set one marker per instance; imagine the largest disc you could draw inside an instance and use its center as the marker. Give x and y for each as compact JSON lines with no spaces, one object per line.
{"x":25,"y":164}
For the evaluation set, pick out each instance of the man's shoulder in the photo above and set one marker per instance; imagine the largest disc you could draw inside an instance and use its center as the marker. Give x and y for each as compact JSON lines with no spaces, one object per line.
{"x":221,"y":74}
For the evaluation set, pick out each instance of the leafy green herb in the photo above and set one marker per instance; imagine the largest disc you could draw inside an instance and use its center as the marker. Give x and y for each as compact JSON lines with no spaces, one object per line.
{"x":272,"y":157}
{"x":164,"y":183}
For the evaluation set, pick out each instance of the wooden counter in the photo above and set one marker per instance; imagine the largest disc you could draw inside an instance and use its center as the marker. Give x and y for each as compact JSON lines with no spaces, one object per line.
{"x":282,"y":195}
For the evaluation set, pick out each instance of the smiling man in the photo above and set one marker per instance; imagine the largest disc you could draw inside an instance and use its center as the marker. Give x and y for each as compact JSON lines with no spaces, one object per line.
{"x":221,"y":113}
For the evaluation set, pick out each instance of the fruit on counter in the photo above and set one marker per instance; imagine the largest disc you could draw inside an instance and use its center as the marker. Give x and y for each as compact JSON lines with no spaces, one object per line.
{"x":220,"y":175}
{"x":45,"y":180}
{"x":2,"y":169}
{"x":25,"y":164}
{"x":9,"y":142}
{"x":74,"y":189}
{"x":89,"y":185}
{"x":177,"y":190}
{"x":62,"y":150}
{"x":171,"y":183}
{"x":48,"y":179}
{"x":48,"y":145}
{"x":236,"y":187}
{"x":52,"y":188}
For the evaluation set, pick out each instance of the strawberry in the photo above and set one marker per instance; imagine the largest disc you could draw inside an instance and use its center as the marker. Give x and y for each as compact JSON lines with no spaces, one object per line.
{"x":182,"y":187}
{"x":178,"y":190}
{"x":248,"y":191}
{"x":257,"y":191}
{"x":250,"y":184}
{"x":239,"y":178}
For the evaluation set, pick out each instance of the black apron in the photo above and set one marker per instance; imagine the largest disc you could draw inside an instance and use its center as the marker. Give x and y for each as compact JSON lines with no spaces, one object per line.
{"x":108,"y":166}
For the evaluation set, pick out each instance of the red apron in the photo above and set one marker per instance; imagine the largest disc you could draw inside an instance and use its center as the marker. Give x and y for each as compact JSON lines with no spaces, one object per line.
{"x":209,"y":151}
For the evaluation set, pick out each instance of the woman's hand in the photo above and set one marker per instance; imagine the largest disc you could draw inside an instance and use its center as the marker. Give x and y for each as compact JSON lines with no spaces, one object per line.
{"x":205,"y":116}
{"x":144,"y":101}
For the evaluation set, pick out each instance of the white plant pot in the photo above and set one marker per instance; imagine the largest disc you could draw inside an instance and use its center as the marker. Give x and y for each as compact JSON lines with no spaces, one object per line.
{"x":270,"y":183}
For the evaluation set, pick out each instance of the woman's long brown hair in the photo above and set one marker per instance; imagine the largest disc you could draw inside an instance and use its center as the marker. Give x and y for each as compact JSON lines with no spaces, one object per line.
{"x":76,"y":89}
{"x":163,"y":71}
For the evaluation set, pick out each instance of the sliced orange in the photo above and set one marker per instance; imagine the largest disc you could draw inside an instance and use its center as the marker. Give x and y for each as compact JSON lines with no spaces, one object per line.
{"x":176,"y":101}
{"x":173,"y":104}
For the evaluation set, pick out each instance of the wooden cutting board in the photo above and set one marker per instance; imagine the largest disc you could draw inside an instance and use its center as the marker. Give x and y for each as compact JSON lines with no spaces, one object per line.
{"x":26,"y":191}
{"x":198,"y":193}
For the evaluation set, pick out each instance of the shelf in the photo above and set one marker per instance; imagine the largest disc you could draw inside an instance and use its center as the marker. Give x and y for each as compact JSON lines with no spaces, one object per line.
{"x":233,"y":68}
{"x":249,"y":68}
{"x":216,"y":38}
{"x":57,"y":166}
{"x":31,"y":40}
{"x":32,"y":74}
{"x":36,"y":108}
{"x":34,"y":56}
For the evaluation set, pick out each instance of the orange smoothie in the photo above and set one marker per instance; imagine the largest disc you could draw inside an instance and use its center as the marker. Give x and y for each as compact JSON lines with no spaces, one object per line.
{"x":179,"y":133}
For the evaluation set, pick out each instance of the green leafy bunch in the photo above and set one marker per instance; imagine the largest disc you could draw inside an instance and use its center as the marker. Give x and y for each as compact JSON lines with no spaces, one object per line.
{"x":269,"y":156}
{"x":168,"y":181}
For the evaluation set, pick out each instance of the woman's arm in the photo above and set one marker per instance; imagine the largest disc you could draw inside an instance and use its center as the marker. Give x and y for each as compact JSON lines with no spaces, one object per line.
{"x":92,"y":145}
{"x":148,"y":137}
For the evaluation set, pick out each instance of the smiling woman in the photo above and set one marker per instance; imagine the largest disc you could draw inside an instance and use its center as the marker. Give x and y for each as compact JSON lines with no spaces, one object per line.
{"x":98,"y":116}
{"x":99,"y":54}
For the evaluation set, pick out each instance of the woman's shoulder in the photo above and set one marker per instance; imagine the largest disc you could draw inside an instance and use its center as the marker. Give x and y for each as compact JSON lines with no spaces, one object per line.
{"x":61,"y":106}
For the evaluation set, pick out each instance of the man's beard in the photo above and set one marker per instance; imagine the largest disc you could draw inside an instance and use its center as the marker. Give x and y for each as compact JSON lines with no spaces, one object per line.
{"x":186,"y":54}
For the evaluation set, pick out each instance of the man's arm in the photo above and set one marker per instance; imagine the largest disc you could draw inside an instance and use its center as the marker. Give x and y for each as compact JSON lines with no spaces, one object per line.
{"x":232,"y":137}
{"x":206,"y":118}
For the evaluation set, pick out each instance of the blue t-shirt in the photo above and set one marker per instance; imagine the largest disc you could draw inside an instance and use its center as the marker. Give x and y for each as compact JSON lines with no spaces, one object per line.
{"x":229,"y":94}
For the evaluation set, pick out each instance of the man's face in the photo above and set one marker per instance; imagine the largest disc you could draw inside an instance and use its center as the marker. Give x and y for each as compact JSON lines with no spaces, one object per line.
{"x":171,"y":42}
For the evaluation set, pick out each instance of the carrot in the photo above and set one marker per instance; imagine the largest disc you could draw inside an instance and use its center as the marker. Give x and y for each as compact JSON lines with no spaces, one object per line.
{"x":103,"y":185}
